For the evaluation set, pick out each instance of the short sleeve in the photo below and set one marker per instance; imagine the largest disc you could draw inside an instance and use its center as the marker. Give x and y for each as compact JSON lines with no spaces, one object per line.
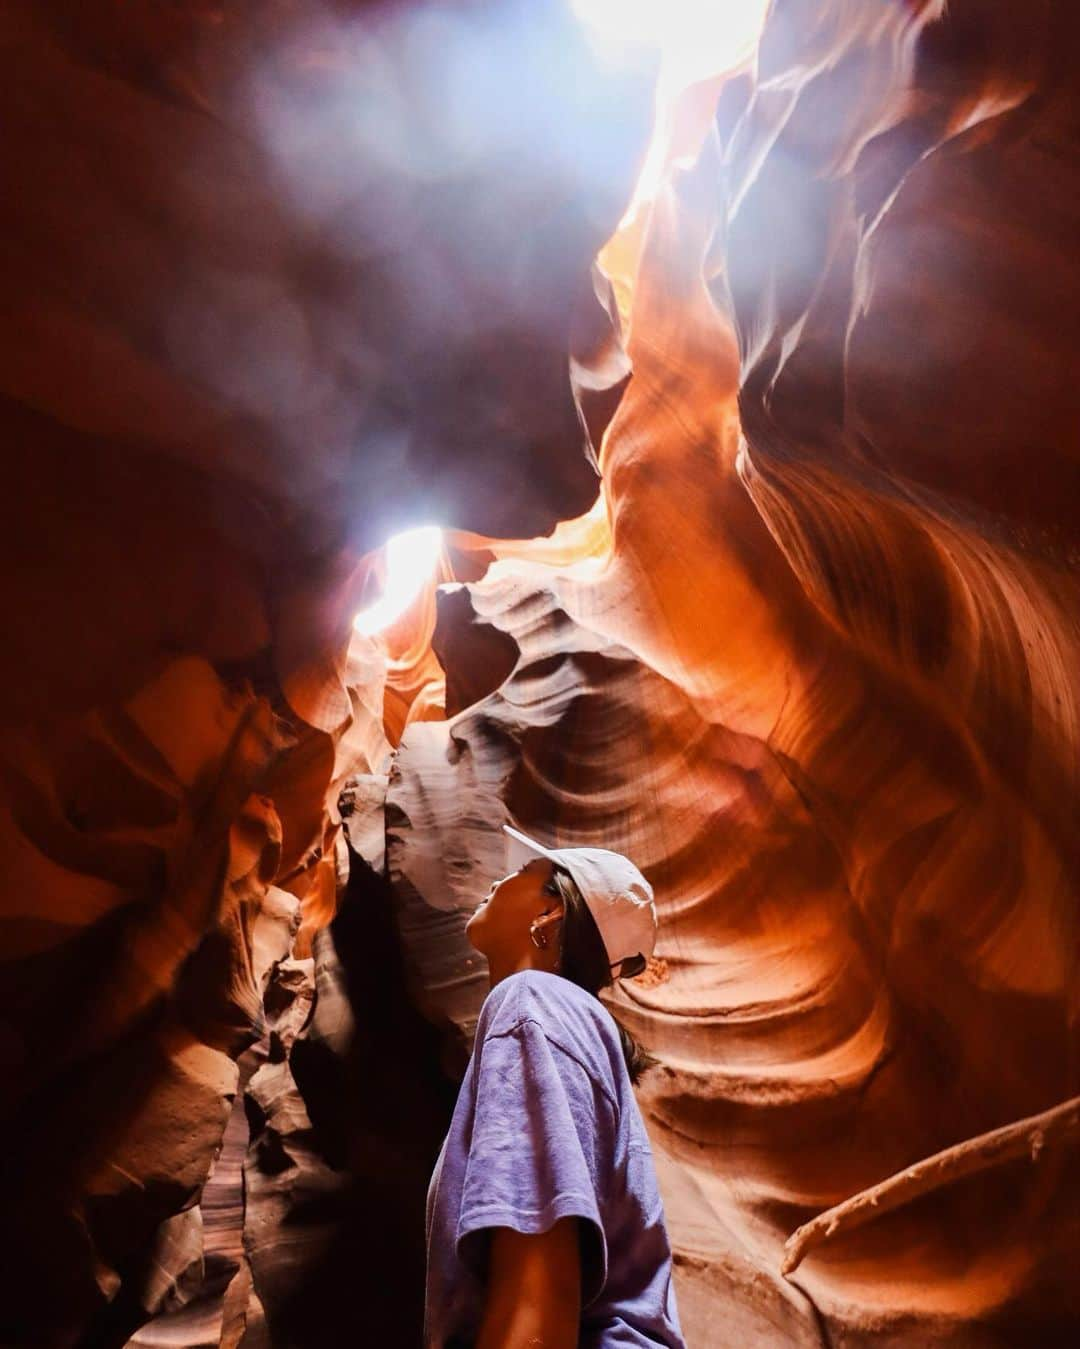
{"x":540,"y":1132}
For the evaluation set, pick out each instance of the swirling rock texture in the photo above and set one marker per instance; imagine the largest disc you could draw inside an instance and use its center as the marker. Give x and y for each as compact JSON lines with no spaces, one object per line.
{"x":810,"y":659}
{"x":276,"y":283}
{"x":821,"y":684}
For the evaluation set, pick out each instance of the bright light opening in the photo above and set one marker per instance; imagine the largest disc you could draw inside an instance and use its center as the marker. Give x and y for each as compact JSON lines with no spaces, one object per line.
{"x":697,"y":38}
{"x":410,"y":558}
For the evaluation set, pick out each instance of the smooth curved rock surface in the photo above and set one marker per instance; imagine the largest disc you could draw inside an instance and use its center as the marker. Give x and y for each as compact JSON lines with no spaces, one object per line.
{"x":820,"y":686}
{"x":810,"y":658}
{"x":275,"y":285}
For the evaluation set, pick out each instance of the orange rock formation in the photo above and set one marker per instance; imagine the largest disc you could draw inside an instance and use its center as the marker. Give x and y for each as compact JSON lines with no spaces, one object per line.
{"x":810,"y":658}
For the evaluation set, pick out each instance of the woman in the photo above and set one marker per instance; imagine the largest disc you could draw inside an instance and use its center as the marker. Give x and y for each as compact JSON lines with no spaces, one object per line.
{"x":544,"y":1224}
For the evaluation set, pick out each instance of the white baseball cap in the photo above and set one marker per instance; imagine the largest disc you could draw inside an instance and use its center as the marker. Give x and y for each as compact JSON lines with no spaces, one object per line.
{"x":617,"y":895}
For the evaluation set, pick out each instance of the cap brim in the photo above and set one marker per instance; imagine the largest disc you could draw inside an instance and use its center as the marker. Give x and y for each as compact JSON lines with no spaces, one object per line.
{"x":521,"y":848}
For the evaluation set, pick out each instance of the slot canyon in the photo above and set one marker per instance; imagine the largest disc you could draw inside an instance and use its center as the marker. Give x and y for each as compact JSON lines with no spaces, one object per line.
{"x":744,"y":394}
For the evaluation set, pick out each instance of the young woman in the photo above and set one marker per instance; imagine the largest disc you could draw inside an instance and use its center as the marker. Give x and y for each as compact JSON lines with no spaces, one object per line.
{"x":545,"y":1229}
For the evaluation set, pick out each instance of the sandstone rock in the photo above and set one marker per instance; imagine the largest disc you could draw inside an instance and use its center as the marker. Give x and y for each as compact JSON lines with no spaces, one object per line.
{"x":221,"y":394}
{"x":810,"y":658}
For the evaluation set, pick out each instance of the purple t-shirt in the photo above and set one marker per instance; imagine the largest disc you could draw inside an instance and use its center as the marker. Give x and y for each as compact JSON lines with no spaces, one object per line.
{"x":546,"y":1125}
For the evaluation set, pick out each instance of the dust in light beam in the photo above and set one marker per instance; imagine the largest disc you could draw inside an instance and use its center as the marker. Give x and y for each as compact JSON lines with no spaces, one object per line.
{"x":410,"y":559}
{"x":696,"y":38}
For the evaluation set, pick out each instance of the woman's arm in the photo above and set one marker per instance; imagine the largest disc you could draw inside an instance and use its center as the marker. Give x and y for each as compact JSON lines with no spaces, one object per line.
{"x":533,"y":1290}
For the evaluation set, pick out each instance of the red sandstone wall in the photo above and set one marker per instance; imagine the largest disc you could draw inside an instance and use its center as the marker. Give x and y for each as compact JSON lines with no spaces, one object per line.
{"x":811,"y":659}
{"x":819,"y":683}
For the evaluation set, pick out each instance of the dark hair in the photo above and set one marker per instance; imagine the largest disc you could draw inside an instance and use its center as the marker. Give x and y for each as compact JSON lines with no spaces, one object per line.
{"x":585,"y":962}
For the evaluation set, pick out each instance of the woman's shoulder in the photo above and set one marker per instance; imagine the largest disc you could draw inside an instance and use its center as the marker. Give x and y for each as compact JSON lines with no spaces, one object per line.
{"x":520,"y":995}
{"x":569,"y":1015}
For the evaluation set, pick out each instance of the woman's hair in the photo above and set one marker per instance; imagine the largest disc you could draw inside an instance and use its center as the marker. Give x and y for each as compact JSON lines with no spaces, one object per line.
{"x":585,"y":962}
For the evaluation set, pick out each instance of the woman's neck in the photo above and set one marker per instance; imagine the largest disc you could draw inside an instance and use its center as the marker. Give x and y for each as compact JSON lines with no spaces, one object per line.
{"x":532,"y":959}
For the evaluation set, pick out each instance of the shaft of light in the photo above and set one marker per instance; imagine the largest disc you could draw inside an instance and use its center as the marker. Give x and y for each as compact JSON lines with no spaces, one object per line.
{"x":411,"y":557}
{"x":696,"y":38}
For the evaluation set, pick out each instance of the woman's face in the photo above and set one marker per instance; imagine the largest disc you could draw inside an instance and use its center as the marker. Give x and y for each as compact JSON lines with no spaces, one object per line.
{"x":500,"y":926}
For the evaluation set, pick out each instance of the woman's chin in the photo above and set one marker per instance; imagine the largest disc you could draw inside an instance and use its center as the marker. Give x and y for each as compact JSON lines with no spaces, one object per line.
{"x":473,"y":930}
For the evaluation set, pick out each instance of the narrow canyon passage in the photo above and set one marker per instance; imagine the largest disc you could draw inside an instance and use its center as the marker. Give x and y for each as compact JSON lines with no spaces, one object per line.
{"x":430,"y":414}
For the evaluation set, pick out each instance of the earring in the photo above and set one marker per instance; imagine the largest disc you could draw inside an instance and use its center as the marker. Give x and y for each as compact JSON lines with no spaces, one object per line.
{"x":539,"y":939}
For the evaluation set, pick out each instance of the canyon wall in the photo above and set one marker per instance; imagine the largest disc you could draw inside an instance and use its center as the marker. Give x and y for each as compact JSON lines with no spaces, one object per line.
{"x":276,"y":284}
{"x":809,"y":659}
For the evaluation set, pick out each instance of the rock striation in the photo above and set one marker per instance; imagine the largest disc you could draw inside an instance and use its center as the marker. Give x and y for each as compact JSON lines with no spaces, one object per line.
{"x":809,"y":657}
{"x":266,"y":300}
{"x":819,"y":684}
